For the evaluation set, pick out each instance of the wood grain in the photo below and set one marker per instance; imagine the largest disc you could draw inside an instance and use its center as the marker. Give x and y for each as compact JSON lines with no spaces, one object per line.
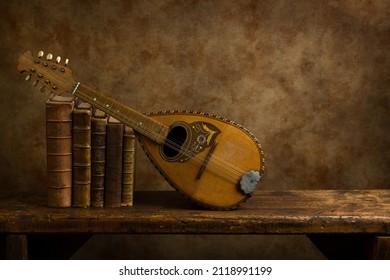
{"x":381,"y":248}
{"x":268,"y":212}
{"x":16,"y":247}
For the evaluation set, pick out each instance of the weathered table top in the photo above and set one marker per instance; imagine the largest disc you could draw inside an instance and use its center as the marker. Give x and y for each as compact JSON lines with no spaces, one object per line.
{"x":267,"y":212}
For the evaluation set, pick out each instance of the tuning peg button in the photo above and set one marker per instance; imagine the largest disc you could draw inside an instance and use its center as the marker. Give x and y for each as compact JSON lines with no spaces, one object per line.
{"x":28,"y":77}
{"x":58,"y":59}
{"x":40,"y":54}
{"x":49,"y":56}
{"x":66,"y":62}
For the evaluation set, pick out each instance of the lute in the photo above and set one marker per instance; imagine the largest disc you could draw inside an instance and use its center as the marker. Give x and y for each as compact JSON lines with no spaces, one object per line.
{"x":213,"y":161}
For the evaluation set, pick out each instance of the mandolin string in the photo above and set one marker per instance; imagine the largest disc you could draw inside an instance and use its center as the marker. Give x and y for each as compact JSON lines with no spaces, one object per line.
{"x":220,"y":166}
{"x":231,"y":172}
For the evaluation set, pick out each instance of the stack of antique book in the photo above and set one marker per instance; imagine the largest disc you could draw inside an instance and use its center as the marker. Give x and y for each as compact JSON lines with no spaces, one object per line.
{"x":90,"y":156}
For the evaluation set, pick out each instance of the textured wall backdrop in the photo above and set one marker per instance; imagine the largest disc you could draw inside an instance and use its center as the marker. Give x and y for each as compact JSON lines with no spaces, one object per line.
{"x":309,"y":78}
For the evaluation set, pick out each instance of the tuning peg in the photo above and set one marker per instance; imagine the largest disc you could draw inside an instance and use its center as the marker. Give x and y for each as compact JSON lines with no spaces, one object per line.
{"x":49,"y":56}
{"x":58,"y":59}
{"x":28,"y":77}
{"x":66,"y":62}
{"x":40,"y":54}
{"x":43,"y":89}
{"x":35,"y":83}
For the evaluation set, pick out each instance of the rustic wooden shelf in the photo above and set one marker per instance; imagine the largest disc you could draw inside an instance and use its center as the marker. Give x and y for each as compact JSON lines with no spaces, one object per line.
{"x":311,"y":212}
{"x":268,"y":212}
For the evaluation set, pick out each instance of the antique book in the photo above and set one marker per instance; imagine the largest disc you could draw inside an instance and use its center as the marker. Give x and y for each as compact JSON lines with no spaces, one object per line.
{"x":114,"y":147}
{"x":128,"y":168}
{"x":98,"y":157}
{"x":59,"y":151}
{"x":82,"y":155}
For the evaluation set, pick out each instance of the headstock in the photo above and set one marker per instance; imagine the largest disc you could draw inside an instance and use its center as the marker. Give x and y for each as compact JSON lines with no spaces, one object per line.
{"x":57,"y":78}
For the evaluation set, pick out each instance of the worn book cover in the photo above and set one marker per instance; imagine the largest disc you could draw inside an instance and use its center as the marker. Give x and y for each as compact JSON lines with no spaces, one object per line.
{"x":114,"y":148}
{"x":82,"y":155}
{"x":98,"y":155}
{"x":129,"y":148}
{"x":59,"y":150}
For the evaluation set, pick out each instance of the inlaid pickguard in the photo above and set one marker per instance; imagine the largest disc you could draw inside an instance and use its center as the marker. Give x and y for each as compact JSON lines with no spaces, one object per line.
{"x":188,"y":139}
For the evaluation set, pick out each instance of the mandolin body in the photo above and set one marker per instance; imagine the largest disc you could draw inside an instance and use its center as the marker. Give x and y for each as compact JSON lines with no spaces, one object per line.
{"x":221,"y":153}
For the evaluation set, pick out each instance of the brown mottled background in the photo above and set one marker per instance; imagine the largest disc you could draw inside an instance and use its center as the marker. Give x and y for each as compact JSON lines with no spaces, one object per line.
{"x":309,"y":78}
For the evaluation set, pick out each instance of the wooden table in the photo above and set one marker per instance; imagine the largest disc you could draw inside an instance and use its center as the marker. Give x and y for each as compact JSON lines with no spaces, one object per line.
{"x":343,"y":224}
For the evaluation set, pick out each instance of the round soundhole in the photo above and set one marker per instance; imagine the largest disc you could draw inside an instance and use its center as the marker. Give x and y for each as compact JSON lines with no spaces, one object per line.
{"x":173,"y":145}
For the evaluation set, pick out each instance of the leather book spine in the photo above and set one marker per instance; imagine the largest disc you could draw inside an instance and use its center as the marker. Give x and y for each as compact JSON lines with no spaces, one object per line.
{"x":82,"y":155}
{"x":98,"y":158}
{"x":128,"y":173}
{"x":114,"y":146}
{"x":59,"y":152}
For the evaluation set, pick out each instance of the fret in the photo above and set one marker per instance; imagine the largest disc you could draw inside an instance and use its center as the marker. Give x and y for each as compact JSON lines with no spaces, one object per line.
{"x":152,"y":129}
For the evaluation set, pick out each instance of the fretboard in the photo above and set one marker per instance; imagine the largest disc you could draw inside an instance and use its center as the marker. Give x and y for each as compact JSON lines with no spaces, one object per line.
{"x":139,"y":122}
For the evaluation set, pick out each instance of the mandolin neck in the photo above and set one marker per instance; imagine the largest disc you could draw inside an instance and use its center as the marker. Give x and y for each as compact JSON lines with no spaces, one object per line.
{"x":139,"y":122}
